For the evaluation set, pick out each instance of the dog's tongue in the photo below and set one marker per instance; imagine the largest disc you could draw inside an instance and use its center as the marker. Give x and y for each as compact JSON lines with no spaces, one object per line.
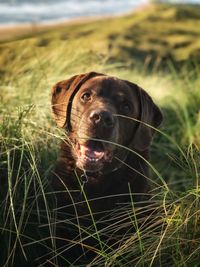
{"x":91,"y":152}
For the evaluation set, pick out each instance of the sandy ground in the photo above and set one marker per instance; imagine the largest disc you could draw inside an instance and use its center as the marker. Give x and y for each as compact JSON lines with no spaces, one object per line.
{"x":10,"y":32}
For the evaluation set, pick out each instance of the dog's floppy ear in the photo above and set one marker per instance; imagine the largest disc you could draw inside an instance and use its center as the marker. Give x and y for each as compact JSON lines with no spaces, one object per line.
{"x":150,"y":115}
{"x":60,"y":98}
{"x":63,"y":93}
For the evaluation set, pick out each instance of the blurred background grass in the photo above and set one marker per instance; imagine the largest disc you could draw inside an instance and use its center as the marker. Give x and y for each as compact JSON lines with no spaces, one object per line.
{"x":157,"y":47}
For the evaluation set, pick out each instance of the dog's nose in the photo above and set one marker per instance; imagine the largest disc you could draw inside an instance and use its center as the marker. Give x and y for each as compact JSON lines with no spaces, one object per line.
{"x":104,"y":117}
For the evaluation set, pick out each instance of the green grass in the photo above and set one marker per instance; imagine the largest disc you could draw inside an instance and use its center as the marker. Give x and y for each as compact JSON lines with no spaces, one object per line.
{"x":158,"y":48}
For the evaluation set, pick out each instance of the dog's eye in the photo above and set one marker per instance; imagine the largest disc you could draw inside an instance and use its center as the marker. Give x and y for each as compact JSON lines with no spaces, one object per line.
{"x":87,"y":96}
{"x":125,"y":107}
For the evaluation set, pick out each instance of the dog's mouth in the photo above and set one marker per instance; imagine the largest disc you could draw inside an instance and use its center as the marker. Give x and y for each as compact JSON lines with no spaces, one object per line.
{"x":92,"y":155}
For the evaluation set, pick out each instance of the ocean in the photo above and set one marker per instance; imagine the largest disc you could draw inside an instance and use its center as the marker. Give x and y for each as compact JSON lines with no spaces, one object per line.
{"x":14,"y":12}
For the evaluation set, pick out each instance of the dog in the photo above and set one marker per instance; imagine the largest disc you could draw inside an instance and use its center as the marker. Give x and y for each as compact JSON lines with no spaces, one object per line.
{"x":109,"y":125}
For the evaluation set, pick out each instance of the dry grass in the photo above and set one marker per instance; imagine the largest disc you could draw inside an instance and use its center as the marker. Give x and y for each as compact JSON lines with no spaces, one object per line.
{"x":151,"y":48}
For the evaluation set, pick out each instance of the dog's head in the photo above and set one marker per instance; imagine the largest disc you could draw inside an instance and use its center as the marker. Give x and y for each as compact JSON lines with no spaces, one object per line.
{"x":103,"y":116}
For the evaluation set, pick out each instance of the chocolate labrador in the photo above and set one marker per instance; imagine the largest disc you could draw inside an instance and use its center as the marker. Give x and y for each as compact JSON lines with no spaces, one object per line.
{"x":109,"y":126}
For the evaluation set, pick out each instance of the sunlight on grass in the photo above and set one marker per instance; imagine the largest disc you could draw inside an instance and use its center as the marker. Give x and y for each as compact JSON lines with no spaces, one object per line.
{"x":167,"y":226}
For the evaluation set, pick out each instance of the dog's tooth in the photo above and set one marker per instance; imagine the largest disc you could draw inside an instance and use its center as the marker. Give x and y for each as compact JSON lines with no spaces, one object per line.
{"x":89,"y":159}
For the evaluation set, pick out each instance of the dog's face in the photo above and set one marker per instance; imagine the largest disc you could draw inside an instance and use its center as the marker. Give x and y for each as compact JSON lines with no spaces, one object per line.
{"x":97,"y":129}
{"x":102,"y":113}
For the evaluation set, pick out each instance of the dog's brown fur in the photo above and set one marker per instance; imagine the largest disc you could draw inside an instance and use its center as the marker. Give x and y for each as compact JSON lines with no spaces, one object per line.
{"x":96,"y":106}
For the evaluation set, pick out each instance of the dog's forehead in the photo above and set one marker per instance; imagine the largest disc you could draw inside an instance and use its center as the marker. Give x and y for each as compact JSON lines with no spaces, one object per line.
{"x":107,"y":85}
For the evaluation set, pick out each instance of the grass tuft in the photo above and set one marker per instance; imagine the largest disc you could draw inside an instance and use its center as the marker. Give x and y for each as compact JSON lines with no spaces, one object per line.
{"x":157,"y":48}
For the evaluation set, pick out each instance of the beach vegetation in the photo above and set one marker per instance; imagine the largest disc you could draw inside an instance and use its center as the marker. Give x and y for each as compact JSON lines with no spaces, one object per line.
{"x":159,"y":49}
